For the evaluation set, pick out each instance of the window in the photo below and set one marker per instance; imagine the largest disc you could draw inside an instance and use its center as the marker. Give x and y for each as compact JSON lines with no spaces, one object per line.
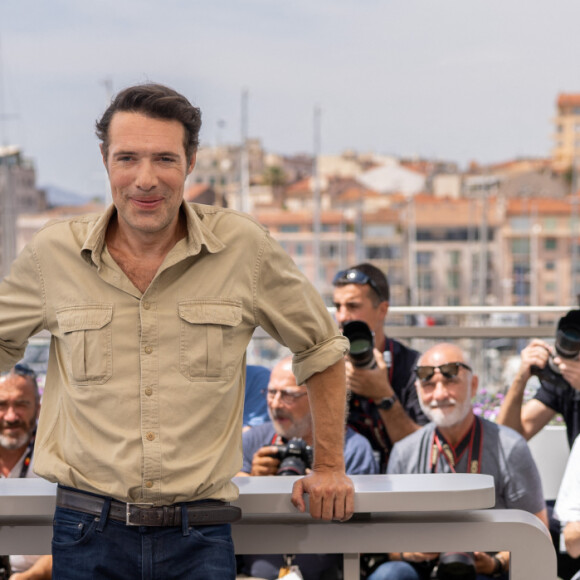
{"x":424,"y":258}
{"x":383,"y":252}
{"x":380,"y":231}
{"x":453,"y":280}
{"x":425,"y":281}
{"x":454,"y":257}
{"x":550,"y":244}
{"x":520,"y":224}
{"x":521,"y":246}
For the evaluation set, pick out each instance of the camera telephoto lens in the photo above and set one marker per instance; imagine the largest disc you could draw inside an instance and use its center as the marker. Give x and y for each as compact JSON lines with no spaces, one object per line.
{"x":456,"y":566}
{"x":567,"y":346}
{"x":362,"y":344}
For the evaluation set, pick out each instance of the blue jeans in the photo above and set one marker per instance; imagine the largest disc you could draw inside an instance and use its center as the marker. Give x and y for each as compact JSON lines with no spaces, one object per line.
{"x":397,"y":570}
{"x":92,"y":547}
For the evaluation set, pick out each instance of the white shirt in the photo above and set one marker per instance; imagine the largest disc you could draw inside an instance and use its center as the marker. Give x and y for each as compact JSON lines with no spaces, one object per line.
{"x":567,"y":508}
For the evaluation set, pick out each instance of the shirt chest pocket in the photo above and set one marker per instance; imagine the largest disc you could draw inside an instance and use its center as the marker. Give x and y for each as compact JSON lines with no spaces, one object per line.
{"x":86,"y":332}
{"x":207,"y":332}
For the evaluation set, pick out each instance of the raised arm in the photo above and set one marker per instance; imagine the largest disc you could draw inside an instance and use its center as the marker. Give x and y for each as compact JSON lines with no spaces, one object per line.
{"x":527,"y":419}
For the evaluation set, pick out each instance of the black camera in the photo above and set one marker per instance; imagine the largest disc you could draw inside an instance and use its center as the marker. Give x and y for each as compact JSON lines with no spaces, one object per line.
{"x":362,"y":343}
{"x":295,"y":457}
{"x":567,"y":346}
{"x":5,"y":571}
{"x":456,"y":566}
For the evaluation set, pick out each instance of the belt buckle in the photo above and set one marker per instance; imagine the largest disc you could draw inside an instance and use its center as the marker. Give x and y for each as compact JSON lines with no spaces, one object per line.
{"x":128,"y":514}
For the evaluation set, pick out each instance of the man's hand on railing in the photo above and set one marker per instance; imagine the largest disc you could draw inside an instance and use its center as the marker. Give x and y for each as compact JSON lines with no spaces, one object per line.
{"x":331,"y":495}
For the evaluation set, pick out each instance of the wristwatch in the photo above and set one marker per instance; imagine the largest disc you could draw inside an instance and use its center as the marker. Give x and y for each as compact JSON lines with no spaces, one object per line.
{"x":498,"y":567}
{"x":387,"y":403}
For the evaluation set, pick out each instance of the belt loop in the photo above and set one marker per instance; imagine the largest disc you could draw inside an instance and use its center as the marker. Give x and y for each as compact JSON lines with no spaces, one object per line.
{"x":184,"y":520}
{"x":104,"y":514}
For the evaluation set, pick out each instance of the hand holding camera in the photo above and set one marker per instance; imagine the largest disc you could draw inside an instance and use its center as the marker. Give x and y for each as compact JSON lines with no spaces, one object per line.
{"x":558,"y":367}
{"x":265,"y":461}
{"x":292,"y":458}
{"x":366,"y":370}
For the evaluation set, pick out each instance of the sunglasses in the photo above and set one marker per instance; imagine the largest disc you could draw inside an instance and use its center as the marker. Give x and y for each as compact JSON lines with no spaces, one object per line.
{"x":448,"y":370}
{"x":23,"y":370}
{"x":354,"y":276}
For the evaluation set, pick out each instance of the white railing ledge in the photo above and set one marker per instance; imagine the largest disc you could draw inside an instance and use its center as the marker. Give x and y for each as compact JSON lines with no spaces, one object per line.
{"x":433,"y":513}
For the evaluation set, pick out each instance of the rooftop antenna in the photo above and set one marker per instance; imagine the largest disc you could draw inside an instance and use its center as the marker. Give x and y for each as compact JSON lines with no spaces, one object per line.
{"x":244,"y":160}
{"x":316,"y":191}
{"x":107,"y":83}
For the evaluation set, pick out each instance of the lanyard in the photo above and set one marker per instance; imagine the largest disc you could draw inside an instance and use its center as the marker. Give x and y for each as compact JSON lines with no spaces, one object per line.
{"x":27,"y":459}
{"x":28,"y":456}
{"x":473,"y":441}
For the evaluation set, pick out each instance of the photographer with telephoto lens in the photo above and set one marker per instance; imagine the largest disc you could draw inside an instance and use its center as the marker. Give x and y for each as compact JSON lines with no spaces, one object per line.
{"x":284,"y":447}
{"x":383,"y":404}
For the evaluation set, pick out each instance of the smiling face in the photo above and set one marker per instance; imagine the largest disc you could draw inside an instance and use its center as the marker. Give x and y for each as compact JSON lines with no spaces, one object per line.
{"x":446,"y":400}
{"x":18,"y":411}
{"x":147,"y":167}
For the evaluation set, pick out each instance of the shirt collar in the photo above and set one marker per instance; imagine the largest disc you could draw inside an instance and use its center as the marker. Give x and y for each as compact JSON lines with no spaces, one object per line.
{"x":198,"y":235}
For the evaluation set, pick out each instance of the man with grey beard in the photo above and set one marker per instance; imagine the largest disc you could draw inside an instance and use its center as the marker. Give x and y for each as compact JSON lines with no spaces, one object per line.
{"x":19,"y":408}
{"x":458,"y":441}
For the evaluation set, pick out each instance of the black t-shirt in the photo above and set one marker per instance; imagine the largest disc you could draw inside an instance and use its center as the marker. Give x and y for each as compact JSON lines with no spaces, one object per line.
{"x":565,"y":400}
{"x":363,"y":415}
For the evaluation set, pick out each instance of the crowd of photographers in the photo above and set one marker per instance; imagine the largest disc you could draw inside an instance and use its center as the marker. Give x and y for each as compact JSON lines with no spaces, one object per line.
{"x":414,"y":411}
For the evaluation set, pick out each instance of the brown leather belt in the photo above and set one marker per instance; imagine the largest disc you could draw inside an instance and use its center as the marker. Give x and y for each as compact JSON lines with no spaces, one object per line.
{"x":199,"y":513}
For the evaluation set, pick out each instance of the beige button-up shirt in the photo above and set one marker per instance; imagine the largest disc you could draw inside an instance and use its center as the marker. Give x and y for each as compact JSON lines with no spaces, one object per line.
{"x":144,"y":393}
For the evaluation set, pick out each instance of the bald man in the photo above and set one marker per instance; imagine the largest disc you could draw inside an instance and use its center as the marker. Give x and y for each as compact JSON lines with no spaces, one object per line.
{"x":458,"y":441}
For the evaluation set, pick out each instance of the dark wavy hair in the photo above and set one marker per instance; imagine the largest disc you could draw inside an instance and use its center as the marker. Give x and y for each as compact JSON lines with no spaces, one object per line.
{"x":156,"y":101}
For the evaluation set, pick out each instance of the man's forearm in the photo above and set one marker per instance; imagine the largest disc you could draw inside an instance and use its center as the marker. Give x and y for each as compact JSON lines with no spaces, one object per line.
{"x":572,"y":538}
{"x":40,"y":570}
{"x":397,"y":423}
{"x":327,"y":396}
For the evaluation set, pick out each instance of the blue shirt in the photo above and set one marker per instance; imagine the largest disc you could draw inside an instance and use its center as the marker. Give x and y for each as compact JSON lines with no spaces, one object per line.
{"x":255,"y":406}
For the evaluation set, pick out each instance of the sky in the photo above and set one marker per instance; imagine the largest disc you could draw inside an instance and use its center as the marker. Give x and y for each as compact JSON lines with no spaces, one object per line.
{"x":455,"y":80}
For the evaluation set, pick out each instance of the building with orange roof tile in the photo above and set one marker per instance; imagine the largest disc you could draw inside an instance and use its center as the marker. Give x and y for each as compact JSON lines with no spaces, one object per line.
{"x":566,"y":132}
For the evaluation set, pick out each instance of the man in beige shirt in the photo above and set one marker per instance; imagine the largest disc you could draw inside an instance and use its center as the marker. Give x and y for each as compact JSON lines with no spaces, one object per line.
{"x":151,"y":306}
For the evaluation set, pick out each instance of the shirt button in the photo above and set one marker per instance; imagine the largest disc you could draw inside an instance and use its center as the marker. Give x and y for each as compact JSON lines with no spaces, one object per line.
{"x":148,"y":349}
{"x":149,"y":484}
{"x":150,"y":436}
{"x":148,"y":391}
{"x":146,"y":305}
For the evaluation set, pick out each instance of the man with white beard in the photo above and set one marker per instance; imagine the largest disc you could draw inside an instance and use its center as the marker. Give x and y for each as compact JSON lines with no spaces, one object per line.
{"x":458,"y":441}
{"x":19,"y":408}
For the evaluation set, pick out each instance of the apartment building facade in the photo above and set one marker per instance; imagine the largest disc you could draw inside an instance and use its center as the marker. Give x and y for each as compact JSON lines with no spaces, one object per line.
{"x":566,"y":132}
{"x":18,"y":195}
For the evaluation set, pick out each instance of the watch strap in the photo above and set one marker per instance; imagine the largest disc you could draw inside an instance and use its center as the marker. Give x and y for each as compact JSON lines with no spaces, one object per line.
{"x":387,"y":403}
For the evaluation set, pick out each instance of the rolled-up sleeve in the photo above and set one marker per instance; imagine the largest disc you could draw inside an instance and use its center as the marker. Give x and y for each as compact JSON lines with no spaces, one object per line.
{"x":289,"y":308}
